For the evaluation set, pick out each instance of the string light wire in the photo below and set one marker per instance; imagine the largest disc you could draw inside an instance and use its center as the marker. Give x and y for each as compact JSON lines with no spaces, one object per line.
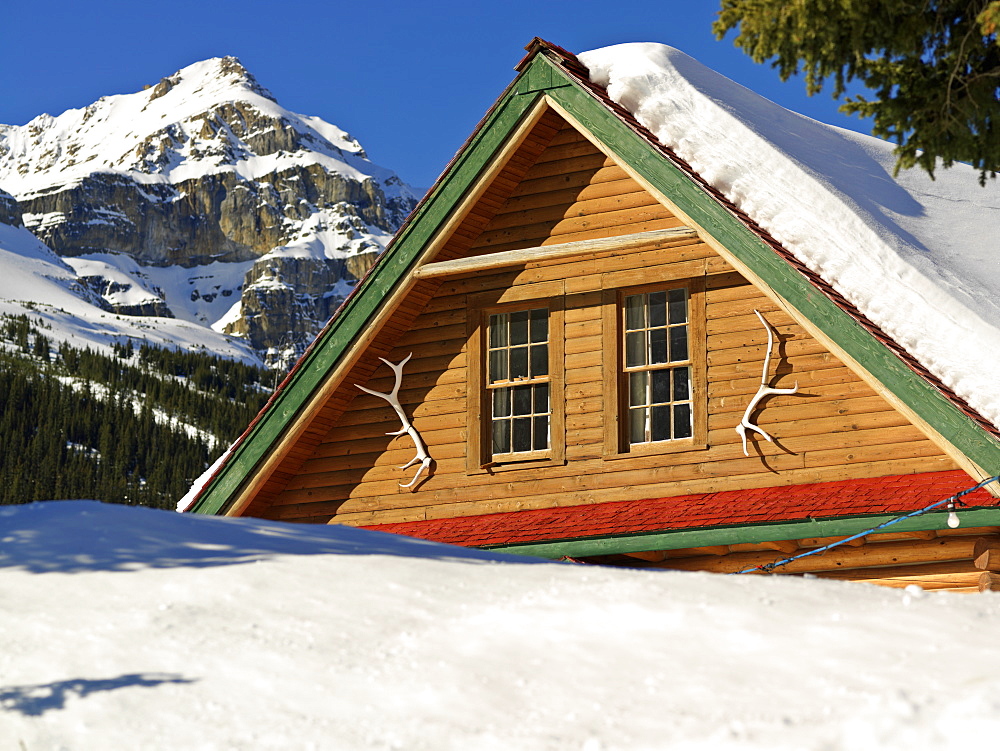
{"x":951,"y":503}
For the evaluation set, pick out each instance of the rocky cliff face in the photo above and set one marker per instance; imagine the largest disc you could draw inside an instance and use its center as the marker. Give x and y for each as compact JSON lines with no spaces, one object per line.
{"x":202,"y":198}
{"x":10,"y":211}
{"x":286,"y":294}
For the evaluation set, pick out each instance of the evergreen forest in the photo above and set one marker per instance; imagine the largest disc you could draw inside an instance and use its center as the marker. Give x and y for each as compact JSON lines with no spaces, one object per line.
{"x":136,"y":426}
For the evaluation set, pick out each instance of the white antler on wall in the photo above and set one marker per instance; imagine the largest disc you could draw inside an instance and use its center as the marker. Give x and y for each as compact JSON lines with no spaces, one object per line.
{"x":393,"y":398}
{"x":762,"y":392}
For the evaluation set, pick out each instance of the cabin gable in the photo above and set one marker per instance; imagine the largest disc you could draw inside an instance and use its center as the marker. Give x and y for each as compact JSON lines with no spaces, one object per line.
{"x":611,"y":217}
{"x":835,"y":427}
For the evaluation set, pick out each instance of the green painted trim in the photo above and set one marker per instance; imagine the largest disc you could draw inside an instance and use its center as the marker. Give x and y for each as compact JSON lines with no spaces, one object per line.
{"x":757,"y":533}
{"x":391,"y":269}
{"x":542,"y":76}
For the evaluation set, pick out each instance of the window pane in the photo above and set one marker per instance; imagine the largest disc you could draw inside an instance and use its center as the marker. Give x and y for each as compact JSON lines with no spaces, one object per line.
{"x":518,"y":362}
{"x":498,"y":365}
{"x":637,"y":424}
{"x":682,"y":421}
{"x":637,"y":384}
{"x":541,"y":398}
{"x":501,"y":402}
{"x":661,"y":386}
{"x":541,"y":437}
{"x":539,"y":325}
{"x":678,"y":343}
{"x":501,"y":437}
{"x":498,"y":330}
{"x":635,"y":348}
{"x":539,"y":360}
{"x":658,"y":346}
{"x":659,"y":427}
{"x":522,"y":400}
{"x":521,"y":434}
{"x":519,"y":327}
{"x":678,"y":306}
{"x":657,"y":309}
{"x":634,"y":318}
{"x":682,"y":384}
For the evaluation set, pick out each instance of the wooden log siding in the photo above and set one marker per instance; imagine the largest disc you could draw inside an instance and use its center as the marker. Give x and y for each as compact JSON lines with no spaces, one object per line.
{"x":853,"y":561}
{"x":835,"y":428}
{"x":931,"y":559}
{"x":838,"y":428}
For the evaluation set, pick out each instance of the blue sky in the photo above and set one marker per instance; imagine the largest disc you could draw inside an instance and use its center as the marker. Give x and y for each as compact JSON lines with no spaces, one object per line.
{"x":409,"y":80}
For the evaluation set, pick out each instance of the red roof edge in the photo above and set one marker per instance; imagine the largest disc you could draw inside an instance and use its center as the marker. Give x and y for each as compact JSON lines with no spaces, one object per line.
{"x":842,"y":498}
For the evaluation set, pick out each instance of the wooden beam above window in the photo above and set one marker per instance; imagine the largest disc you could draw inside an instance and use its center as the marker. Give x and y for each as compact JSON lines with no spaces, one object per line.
{"x":508,"y":258}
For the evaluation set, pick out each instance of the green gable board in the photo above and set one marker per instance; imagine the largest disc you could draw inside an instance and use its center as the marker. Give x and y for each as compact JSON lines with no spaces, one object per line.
{"x":544,"y":76}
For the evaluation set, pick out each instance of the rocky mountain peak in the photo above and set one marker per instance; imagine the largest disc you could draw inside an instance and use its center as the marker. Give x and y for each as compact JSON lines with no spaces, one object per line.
{"x":206,"y":171}
{"x":228,"y":70}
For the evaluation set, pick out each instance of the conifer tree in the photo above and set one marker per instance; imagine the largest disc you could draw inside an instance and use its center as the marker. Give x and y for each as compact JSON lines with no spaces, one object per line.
{"x":115,"y":428}
{"x":932,"y":67}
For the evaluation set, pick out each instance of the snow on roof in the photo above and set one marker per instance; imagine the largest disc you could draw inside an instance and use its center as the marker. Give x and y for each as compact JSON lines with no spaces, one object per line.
{"x":917,"y":256}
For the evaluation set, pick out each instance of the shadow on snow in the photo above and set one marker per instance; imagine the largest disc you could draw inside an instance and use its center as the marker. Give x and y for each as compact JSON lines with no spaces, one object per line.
{"x":80,"y":536}
{"x":37,"y":699}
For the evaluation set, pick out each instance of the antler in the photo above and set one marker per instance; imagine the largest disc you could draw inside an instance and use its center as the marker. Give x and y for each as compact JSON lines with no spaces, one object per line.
{"x":762,"y":392}
{"x":393,"y":398}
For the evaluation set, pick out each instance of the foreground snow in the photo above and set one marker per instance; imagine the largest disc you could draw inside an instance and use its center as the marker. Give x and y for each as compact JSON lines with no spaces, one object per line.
{"x":132,"y":628}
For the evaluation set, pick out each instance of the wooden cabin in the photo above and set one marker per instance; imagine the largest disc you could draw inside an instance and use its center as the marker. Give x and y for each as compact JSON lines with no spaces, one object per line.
{"x":584,"y":323}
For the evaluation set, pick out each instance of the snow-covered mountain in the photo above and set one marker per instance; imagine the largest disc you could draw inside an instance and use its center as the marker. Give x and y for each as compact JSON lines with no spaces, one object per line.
{"x":202,"y":199}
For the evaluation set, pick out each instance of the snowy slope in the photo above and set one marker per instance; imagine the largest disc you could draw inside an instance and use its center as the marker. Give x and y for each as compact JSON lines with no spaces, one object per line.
{"x":138,"y":629}
{"x":917,"y":256}
{"x":36,"y":282}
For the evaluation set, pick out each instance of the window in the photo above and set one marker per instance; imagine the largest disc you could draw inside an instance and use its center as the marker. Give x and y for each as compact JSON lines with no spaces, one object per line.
{"x":515,"y":378}
{"x":517,"y":381}
{"x":655,"y":375}
{"x":657,"y":366}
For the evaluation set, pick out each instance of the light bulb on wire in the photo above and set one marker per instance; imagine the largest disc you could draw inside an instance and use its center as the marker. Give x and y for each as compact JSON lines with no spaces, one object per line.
{"x":953,"y":520}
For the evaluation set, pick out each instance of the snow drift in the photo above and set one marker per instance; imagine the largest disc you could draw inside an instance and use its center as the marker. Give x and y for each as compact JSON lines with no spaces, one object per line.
{"x":132,"y":628}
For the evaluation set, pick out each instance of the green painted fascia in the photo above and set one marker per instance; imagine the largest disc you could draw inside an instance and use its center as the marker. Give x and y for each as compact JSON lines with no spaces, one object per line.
{"x":912,"y":389}
{"x":395,"y":262}
{"x":735,"y":535}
